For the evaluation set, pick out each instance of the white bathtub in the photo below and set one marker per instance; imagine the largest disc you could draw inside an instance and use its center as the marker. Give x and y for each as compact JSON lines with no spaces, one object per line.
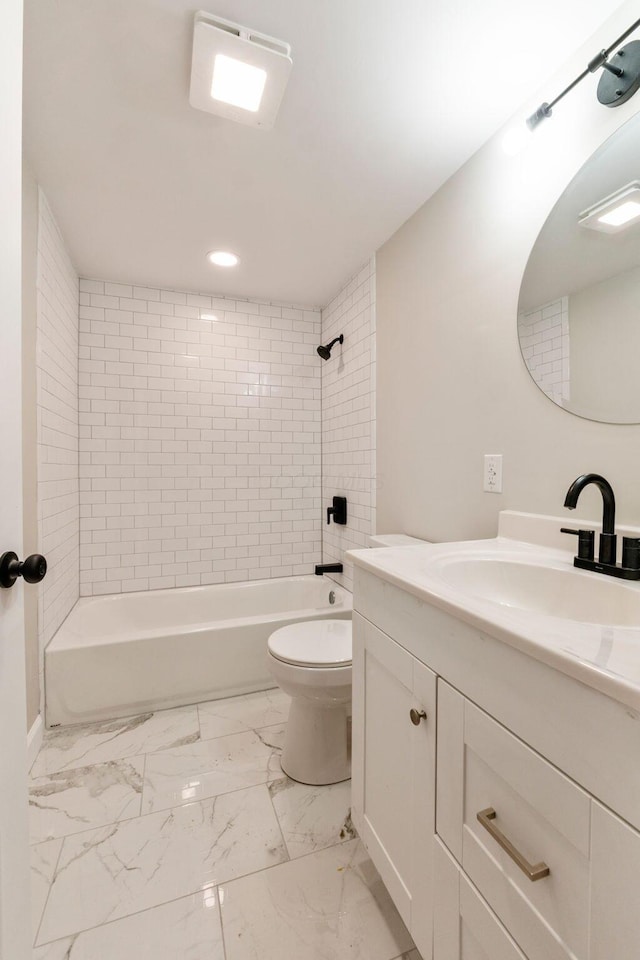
{"x":130,"y":653}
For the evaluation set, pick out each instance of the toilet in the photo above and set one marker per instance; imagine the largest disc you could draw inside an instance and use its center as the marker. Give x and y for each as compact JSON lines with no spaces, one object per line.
{"x":311,"y":661}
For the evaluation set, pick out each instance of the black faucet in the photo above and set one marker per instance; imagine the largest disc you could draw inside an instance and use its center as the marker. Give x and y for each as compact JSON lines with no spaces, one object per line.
{"x":328,"y":568}
{"x":607,"y":550}
{"x":606,"y":562}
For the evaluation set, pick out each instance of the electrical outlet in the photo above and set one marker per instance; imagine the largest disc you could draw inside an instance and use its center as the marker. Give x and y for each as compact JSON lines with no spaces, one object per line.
{"x":493,"y":472}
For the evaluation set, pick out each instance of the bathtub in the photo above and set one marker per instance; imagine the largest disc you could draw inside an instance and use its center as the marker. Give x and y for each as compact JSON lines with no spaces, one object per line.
{"x":120,"y":655}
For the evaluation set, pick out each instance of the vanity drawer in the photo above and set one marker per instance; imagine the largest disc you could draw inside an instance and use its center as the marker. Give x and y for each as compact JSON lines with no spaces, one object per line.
{"x":526,"y":806}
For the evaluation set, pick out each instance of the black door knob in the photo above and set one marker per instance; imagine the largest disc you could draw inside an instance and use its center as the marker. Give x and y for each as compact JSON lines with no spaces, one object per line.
{"x":33,"y":569}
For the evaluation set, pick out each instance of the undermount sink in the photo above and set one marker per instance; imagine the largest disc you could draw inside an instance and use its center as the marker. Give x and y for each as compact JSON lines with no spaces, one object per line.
{"x":550,"y":590}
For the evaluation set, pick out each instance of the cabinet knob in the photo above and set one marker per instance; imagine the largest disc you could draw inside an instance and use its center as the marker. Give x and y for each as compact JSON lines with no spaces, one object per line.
{"x":416,"y":716}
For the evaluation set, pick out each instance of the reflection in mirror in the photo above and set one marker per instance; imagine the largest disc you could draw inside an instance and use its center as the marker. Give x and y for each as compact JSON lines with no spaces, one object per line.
{"x":579,"y":308}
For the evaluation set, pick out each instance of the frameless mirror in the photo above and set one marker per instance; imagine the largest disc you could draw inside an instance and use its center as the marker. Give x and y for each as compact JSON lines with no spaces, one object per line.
{"x":579,"y":307}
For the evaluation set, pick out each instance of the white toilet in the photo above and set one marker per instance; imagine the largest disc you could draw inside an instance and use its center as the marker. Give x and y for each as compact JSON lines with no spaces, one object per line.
{"x":311,"y":661}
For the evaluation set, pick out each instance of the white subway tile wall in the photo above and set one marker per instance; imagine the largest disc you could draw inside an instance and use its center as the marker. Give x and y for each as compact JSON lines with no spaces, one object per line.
{"x":57,"y":427}
{"x":544,"y":340}
{"x":348,"y":418}
{"x":200,"y":452}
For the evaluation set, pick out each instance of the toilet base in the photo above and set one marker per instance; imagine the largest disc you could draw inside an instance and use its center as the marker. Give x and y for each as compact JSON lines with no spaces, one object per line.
{"x":317,"y":748}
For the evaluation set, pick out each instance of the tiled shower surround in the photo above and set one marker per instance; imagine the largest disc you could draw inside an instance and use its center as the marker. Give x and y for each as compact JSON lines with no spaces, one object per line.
{"x":199,"y":439}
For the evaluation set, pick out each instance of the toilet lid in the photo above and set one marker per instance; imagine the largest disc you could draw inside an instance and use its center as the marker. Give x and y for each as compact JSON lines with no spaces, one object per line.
{"x":314,"y":643}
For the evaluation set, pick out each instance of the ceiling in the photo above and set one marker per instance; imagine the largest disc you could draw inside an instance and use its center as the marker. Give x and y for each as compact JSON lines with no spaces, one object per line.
{"x":386,"y":100}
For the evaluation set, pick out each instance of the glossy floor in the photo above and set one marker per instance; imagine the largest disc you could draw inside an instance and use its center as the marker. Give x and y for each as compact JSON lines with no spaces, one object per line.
{"x":176,"y":836}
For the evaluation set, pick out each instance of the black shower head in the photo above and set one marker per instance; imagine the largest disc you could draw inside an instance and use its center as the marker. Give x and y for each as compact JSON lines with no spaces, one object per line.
{"x":325,"y":352}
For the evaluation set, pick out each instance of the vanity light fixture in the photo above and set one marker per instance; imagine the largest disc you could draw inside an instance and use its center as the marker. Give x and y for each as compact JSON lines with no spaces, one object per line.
{"x":223,"y":258}
{"x":618,"y":83}
{"x":616,"y":212}
{"x":237,"y":73}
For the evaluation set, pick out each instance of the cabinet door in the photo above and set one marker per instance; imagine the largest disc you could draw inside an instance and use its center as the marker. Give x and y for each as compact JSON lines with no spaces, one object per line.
{"x":394,"y":771}
{"x":615,"y":892}
{"x":465,"y":927}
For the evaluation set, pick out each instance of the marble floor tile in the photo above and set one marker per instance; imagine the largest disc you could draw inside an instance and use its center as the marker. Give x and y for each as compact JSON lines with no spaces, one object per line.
{"x":43,"y":860}
{"x":66,"y":748}
{"x":131,"y":866}
{"x":219,"y":718}
{"x":209,"y":768}
{"x":74,"y":800}
{"x":186,"y":929}
{"x":312,"y":817}
{"x":330,"y":904}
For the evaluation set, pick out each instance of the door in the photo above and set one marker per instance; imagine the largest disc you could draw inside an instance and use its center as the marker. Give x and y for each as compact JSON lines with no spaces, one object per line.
{"x":394,"y":716}
{"x":14,"y":872}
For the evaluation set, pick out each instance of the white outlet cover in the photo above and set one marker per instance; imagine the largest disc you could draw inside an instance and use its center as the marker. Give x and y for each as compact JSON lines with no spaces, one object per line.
{"x":493,"y":473}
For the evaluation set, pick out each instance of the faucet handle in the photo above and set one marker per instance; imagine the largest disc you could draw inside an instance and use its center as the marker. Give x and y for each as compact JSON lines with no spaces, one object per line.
{"x":631,"y":553}
{"x":586,"y":542}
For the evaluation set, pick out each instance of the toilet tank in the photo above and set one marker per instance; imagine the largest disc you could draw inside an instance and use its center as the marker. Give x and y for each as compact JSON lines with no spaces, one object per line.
{"x":394,"y":540}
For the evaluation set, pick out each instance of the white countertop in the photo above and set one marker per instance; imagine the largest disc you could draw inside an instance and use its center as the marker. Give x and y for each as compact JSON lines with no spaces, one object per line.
{"x":606,"y":658}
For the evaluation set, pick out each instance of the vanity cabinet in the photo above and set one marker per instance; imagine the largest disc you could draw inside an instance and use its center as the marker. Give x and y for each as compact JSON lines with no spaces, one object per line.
{"x":393,"y":771}
{"x":465,"y":884}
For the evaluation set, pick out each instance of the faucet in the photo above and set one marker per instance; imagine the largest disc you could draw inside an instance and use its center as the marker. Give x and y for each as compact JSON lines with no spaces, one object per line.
{"x":629,"y":569}
{"x":607,"y":549}
{"x":328,"y":568}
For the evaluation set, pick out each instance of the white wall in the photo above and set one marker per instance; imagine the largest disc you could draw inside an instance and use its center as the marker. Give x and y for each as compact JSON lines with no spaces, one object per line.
{"x":452,"y":384}
{"x":200,"y":439}
{"x":348,"y":417}
{"x":601,"y":318}
{"x":57,"y":427}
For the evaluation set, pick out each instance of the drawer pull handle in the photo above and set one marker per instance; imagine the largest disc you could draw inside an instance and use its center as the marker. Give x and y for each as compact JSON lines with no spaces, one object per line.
{"x":416,"y":716}
{"x":534,"y":871}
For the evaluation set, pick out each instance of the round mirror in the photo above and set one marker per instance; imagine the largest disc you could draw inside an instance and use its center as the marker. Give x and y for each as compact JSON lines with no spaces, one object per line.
{"x":579,"y":307}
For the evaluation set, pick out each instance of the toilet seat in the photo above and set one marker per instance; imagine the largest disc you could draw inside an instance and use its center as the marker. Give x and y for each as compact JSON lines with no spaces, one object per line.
{"x":313,"y":643}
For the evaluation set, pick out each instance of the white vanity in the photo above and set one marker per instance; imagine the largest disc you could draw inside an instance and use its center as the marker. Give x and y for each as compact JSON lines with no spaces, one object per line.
{"x":495,"y":736}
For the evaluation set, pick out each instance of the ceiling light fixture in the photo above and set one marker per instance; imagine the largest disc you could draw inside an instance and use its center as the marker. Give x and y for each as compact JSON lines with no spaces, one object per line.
{"x":618,"y":83}
{"x":237,"y":83}
{"x":616,"y":212}
{"x":223,"y":258}
{"x":237,"y":73}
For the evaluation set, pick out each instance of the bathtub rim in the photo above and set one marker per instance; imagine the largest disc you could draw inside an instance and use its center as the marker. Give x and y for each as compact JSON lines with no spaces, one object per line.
{"x":67,"y":638}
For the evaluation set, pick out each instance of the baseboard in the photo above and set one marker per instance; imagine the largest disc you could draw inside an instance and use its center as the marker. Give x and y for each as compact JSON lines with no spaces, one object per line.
{"x":34,"y":740}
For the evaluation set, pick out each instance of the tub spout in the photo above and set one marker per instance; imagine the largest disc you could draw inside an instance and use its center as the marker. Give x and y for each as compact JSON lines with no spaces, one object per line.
{"x":328,"y":568}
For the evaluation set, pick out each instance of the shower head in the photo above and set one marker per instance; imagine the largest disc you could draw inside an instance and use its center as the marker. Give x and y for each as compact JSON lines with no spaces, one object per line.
{"x":325,"y":352}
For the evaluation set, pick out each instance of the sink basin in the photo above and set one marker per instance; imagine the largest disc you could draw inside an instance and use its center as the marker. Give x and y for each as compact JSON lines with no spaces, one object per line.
{"x":554,"y":591}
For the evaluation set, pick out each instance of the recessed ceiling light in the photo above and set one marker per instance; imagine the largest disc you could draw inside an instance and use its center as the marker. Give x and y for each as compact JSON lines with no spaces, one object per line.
{"x":617,"y":211}
{"x":222,"y":258}
{"x":237,"y":73}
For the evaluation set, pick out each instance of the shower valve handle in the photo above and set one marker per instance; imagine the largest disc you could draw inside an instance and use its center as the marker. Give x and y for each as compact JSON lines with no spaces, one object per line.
{"x":338,"y":511}
{"x":33,"y":569}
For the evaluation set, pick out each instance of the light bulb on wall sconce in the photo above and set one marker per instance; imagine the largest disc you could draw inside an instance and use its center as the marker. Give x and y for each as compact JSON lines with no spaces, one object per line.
{"x":618,"y":83}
